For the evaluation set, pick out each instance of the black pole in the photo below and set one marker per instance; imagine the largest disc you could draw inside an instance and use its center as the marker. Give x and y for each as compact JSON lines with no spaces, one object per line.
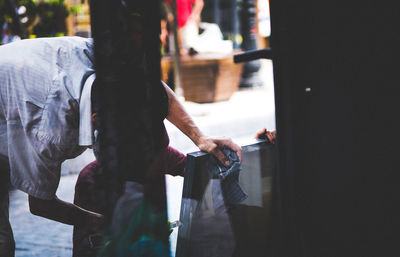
{"x":247,"y":16}
{"x":129,"y":93}
{"x":251,"y":55}
{"x":235,"y":24}
{"x":216,"y":12}
{"x":176,"y":53}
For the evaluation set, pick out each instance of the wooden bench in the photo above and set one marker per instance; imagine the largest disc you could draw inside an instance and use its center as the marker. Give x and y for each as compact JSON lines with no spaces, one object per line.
{"x":206,"y":78}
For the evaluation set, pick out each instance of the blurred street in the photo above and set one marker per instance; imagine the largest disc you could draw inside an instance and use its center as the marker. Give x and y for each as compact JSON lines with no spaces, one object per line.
{"x":239,"y":118}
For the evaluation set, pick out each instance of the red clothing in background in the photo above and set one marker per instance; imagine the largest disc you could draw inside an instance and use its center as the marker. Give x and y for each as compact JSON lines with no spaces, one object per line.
{"x":183,"y":9}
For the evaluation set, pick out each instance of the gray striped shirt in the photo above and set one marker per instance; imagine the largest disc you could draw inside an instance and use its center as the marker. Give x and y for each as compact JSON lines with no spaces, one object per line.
{"x":45,"y":108}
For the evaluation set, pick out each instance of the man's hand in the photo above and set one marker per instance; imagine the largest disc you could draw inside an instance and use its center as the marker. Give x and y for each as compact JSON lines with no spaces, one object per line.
{"x":214,"y":146}
{"x":264,"y":133}
{"x":95,"y":221}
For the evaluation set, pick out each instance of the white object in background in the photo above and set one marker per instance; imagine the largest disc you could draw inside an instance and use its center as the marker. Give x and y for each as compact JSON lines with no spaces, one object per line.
{"x":264,"y":21}
{"x":211,"y":40}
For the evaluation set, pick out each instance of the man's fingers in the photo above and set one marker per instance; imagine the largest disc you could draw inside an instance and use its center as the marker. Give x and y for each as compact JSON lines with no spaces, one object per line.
{"x":230,"y":144}
{"x":237,"y":149}
{"x":215,"y":145}
{"x":271,"y":136}
{"x":261,"y":133}
{"x":220,"y":156}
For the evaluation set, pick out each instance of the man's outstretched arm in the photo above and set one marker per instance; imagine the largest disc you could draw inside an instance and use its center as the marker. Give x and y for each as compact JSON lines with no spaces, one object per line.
{"x":64,"y":212}
{"x":181,"y":119}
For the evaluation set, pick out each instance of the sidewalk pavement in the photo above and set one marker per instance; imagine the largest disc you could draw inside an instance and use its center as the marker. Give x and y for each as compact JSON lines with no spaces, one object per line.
{"x":238,"y":118}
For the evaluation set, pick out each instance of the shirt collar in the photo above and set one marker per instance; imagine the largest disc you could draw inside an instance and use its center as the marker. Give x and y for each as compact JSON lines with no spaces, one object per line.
{"x":85,"y":113}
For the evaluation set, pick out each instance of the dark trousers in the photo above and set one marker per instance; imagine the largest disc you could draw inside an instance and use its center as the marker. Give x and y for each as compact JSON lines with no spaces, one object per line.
{"x":7,"y":244}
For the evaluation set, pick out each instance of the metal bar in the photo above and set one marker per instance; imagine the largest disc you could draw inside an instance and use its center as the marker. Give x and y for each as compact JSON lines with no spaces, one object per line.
{"x":253,"y":55}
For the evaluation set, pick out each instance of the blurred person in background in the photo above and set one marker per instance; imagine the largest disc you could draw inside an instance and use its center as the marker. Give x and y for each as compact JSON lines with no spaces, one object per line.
{"x":7,"y":35}
{"x":187,"y":21}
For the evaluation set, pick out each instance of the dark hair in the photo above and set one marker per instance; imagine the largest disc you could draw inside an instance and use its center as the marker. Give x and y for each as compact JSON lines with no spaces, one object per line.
{"x":94,"y":97}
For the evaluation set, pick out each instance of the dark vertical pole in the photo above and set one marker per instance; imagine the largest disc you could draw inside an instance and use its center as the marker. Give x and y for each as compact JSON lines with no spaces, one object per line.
{"x":339,"y":191}
{"x":247,"y":16}
{"x":129,"y":93}
{"x":176,"y":53}
{"x":103,"y":18}
{"x":235,"y":23}
{"x":292,"y":78}
{"x":216,"y":12}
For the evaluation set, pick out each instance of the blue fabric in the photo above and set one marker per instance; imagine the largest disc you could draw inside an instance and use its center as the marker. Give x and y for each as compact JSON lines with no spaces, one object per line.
{"x":231,"y":190}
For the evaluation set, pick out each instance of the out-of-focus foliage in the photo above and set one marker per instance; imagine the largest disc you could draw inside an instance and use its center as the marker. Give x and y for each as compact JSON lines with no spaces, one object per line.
{"x":38,"y":18}
{"x":26,"y":11}
{"x":51,"y":19}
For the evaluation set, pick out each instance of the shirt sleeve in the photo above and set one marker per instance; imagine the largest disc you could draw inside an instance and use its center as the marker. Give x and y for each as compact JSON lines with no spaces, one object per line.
{"x":176,"y":162}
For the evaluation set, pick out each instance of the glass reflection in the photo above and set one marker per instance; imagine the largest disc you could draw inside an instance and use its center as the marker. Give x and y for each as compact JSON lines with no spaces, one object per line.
{"x":211,"y":226}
